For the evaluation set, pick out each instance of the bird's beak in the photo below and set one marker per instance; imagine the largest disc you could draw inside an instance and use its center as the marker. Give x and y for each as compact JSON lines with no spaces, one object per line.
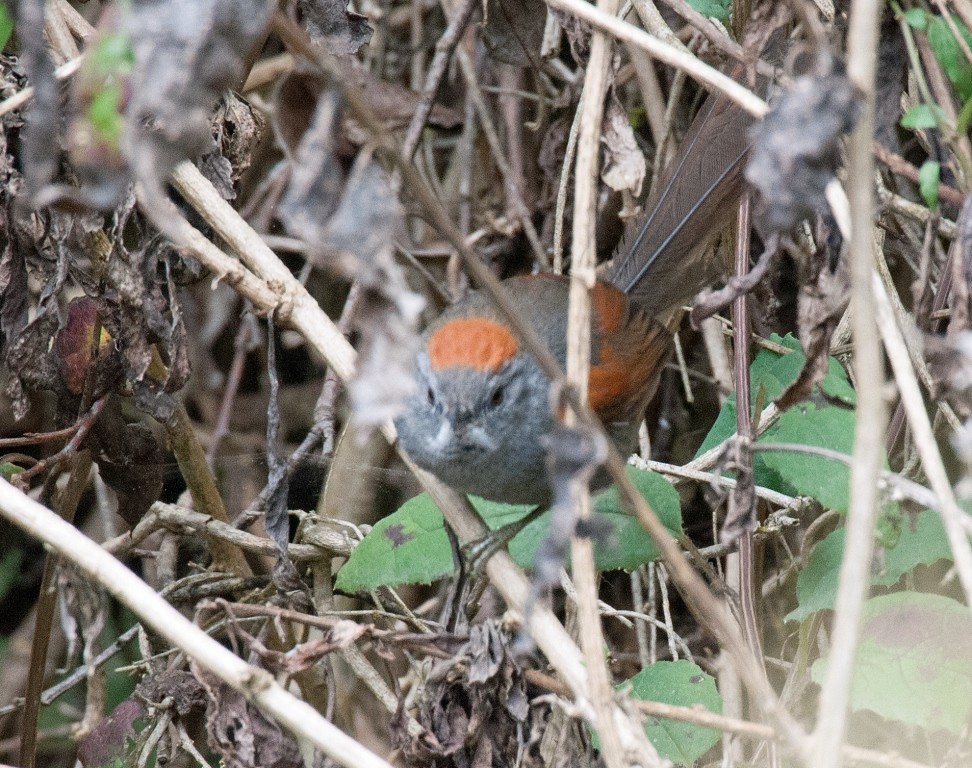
{"x":478,"y":437}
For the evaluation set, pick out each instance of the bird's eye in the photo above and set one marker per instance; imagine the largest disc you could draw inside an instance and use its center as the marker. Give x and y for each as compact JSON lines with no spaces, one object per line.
{"x":430,"y":396}
{"x":496,"y":399}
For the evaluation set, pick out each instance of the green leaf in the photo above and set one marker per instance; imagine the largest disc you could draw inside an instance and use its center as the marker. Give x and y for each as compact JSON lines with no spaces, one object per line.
{"x":949,"y":53}
{"x":916,"y":18}
{"x":923,"y":116}
{"x":10,"y":570}
{"x":104,"y":114}
{"x":816,"y":586}
{"x":625,"y":545}
{"x":716,"y":9}
{"x":410,"y":546}
{"x":112,"y":55}
{"x":8,"y":470}
{"x":914,"y":661}
{"x":816,"y":423}
{"x":773,"y":373}
{"x":684,"y":684}
{"x":804,"y":474}
{"x":6,"y":26}
{"x":921,"y":541}
{"x":928,"y":178}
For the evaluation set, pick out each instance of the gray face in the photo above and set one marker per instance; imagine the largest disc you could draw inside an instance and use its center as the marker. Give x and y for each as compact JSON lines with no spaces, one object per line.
{"x":481,"y":432}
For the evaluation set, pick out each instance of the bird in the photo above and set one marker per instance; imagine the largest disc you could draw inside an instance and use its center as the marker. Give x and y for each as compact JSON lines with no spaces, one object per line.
{"x":481,"y":410}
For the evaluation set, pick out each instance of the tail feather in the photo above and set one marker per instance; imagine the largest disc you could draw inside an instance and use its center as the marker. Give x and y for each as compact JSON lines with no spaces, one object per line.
{"x":656,"y":263}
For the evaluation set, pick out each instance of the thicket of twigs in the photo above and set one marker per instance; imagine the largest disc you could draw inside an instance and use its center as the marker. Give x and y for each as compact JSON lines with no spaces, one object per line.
{"x":224,"y":224}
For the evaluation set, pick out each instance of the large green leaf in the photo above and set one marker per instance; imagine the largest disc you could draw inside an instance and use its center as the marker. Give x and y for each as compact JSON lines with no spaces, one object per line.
{"x":817,"y":582}
{"x":818,"y":422}
{"x":685,"y":684}
{"x":914,"y":661}
{"x":770,"y":374}
{"x":624,"y":545}
{"x":804,"y":474}
{"x":922,"y":541}
{"x":410,"y":546}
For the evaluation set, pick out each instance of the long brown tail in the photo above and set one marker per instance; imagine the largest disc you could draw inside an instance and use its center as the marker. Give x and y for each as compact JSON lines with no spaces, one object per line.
{"x":658,"y":263}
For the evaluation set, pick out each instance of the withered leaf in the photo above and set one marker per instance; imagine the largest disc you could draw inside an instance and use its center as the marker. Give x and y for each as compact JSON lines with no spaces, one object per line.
{"x":13,"y":288}
{"x":333,"y":27}
{"x":316,"y":175}
{"x":219,"y":171}
{"x":305,"y":655}
{"x":238,"y":130}
{"x":824,"y":293}
{"x":624,"y":163}
{"x":74,"y":343}
{"x":130,"y":460}
{"x":796,"y":147}
{"x":513,"y":31}
{"x":181,"y":687}
{"x":32,"y":368}
{"x":476,"y":696}
{"x":179,"y":57}
{"x":394,"y":104}
{"x":106,"y":742}
{"x":351,"y":231}
{"x":241,"y":734}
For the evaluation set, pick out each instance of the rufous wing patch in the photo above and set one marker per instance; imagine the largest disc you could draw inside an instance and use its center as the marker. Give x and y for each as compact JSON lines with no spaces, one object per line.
{"x":626,"y":372}
{"x":610,"y":307}
{"x":474,"y":342}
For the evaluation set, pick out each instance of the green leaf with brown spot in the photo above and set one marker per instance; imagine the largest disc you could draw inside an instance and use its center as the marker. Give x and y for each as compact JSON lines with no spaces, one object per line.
{"x":914,"y":661}
{"x":682,"y":683}
{"x":410,"y":546}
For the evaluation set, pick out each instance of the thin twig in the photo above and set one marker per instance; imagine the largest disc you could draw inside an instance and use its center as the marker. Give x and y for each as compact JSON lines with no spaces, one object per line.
{"x":242,"y":346}
{"x":182,"y":519}
{"x":897,"y":164}
{"x":773,"y":497}
{"x":492,"y":138}
{"x":913,"y":210}
{"x":202,"y":487}
{"x":862,"y":39}
{"x":924,"y":436}
{"x":67,"y":504}
{"x":742,"y":503}
{"x":583,"y":276}
{"x":716,"y":35}
{"x":437,"y":69}
{"x":562,"y":188}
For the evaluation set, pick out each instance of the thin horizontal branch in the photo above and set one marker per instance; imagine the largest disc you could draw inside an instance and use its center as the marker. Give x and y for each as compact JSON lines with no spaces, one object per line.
{"x":180,"y":519}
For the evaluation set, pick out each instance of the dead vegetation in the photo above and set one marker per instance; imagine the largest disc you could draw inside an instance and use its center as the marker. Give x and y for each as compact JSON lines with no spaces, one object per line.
{"x":224,"y":224}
